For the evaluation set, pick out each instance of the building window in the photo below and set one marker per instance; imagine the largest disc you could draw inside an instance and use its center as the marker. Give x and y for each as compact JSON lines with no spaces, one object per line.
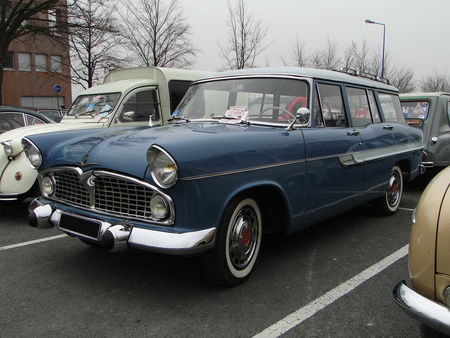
{"x":8,"y":60}
{"x":40,"y":62}
{"x":52,"y":18}
{"x":42,"y":102}
{"x":56,"y":63}
{"x":24,"y":62}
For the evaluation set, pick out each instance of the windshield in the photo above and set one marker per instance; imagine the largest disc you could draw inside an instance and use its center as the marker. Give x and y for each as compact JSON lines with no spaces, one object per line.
{"x":417,"y":109}
{"x":96,"y":105}
{"x":260,"y":100}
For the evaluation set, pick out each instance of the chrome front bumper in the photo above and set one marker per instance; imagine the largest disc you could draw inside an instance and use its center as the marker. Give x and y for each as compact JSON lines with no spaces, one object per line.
{"x":117,"y":236}
{"x":9,"y":197}
{"x":428,"y":312}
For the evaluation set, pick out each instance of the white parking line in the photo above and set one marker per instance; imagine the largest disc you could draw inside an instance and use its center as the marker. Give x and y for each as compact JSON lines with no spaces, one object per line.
{"x":406,"y":209}
{"x":18,"y":245}
{"x":307,"y":311}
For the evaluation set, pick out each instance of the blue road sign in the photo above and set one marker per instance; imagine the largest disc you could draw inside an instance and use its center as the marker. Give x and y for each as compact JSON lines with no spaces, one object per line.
{"x":57,"y":88}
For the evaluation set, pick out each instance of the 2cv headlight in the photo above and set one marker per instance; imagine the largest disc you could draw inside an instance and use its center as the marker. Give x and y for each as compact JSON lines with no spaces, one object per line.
{"x":7,"y":147}
{"x":32,"y":152}
{"x":163,"y":168}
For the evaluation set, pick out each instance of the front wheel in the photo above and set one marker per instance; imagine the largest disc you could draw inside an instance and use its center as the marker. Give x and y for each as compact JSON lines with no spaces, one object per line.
{"x":237,"y":244}
{"x":390,"y":201}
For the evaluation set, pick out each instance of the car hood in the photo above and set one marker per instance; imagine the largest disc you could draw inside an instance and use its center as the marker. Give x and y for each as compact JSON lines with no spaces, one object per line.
{"x":18,"y":133}
{"x":198,"y":148}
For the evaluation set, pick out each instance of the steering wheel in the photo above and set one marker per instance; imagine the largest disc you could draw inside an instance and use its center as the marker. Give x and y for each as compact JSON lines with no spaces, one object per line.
{"x":278,"y":108}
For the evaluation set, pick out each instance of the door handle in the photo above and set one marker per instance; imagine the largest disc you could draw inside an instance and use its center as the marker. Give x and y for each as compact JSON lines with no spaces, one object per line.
{"x":353,"y":132}
{"x":388,"y":127}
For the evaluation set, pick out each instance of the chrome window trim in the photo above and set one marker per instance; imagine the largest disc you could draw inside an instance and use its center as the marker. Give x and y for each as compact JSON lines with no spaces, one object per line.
{"x":99,"y":172}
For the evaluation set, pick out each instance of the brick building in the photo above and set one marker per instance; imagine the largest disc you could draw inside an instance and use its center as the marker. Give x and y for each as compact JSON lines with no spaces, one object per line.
{"x":34,"y":65}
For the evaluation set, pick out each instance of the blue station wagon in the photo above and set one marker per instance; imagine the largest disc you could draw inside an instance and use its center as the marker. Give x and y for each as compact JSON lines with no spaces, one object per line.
{"x":248,"y":152}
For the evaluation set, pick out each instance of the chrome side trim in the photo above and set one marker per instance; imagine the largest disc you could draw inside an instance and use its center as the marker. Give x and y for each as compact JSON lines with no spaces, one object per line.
{"x":170,"y":242}
{"x":238,"y":171}
{"x":346,"y":159}
{"x":432,"y":314}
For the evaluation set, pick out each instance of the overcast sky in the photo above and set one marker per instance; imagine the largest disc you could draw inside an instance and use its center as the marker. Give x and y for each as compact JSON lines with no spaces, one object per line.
{"x":417,"y":31}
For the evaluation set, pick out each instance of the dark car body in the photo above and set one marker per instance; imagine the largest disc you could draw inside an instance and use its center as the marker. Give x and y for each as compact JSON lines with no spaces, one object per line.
{"x":226,"y":171}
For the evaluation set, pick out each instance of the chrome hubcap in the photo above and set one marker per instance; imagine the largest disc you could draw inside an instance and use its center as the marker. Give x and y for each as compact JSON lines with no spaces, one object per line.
{"x":243,"y":237}
{"x":394,"y":189}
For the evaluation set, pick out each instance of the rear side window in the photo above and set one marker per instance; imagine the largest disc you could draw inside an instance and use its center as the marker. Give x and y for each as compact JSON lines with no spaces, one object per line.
{"x":359,"y":106}
{"x":373,"y":107}
{"x":177,"y":89}
{"x":332,"y":105}
{"x":448,"y":111}
{"x":33,"y":120}
{"x":390,"y":106}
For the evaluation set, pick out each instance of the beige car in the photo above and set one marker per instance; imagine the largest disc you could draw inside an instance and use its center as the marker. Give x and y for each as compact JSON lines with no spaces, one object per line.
{"x":427,"y":299}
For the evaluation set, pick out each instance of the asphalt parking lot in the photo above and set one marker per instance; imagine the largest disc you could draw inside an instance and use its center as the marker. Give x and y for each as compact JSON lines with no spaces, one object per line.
{"x":332,"y":280}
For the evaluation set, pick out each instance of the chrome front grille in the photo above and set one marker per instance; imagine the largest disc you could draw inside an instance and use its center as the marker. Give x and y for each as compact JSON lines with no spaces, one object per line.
{"x":106,"y":192}
{"x":69,"y":188}
{"x":122,"y":197}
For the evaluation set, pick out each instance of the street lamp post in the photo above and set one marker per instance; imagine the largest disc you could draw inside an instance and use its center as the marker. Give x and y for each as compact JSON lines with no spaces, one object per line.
{"x":384,"y":41}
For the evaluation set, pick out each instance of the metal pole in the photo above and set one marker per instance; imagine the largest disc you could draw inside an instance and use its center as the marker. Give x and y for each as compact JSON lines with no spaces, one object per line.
{"x":382,"y":58}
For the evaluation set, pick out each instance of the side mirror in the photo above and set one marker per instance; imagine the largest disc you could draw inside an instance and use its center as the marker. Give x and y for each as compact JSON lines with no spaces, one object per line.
{"x":129,"y":116}
{"x":303,"y":115}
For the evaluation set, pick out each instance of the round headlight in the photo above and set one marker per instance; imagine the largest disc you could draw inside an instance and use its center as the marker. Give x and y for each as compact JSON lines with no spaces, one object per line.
{"x":163,"y":168}
{"x":7,"y":147}
{"x":32,"y":152}
{"x":159,"y":207}
{"x":47,"y":185}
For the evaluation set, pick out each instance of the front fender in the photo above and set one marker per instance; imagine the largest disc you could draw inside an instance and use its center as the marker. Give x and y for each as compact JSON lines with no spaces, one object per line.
{"x":8,"y":182}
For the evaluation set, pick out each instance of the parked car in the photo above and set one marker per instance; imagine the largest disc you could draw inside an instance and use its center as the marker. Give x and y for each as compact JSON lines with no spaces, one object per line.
{"x":431,"y":113}
{"x":427,"y":298}
{"x":129,"y":97}
{"x":13,"y":117}
{"x":55,"y":114}
{"x":244,"y":155}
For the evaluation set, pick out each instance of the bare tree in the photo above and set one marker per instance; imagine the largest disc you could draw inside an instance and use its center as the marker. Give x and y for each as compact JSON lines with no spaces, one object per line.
{"x":246,"y":38}
{"x":93,"y":41}
{"x":19,"y":18}
{"x":435,"y":83}
{"x":156,"y":34}
{"x":327,"y":58}
{"x":299,"y":53}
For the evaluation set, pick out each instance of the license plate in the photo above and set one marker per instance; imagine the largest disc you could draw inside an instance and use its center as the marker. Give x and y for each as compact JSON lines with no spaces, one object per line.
{"x":79,"y":225}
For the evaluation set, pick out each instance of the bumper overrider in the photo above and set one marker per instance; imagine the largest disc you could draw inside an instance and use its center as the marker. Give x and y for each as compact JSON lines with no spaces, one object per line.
{"x":43,"y":214}
{"x":428,"y":312}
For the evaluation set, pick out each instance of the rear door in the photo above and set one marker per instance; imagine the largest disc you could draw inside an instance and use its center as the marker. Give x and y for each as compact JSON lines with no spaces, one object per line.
{"x":377,"y":139}
{"x":332,"y":151}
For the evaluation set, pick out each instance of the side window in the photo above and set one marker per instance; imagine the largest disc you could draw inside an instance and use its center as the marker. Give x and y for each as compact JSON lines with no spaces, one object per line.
{"x":359,"y":106}
{"x":373,"y":107}
{"x":140,"y":106}
{"x":390,"y":105}
{"x":10,"y":121}
{"x":448,"y":112}
{"x":332,"y":105}
{"x":32,"y":120}
{"x":177,"y":89}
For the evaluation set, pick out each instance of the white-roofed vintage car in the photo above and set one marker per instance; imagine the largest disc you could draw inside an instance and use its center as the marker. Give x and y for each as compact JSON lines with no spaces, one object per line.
{"x":127,"y":97}
{"x":250,"y":151}
{"x":431,"y":113}
{"x":427,"y":298}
